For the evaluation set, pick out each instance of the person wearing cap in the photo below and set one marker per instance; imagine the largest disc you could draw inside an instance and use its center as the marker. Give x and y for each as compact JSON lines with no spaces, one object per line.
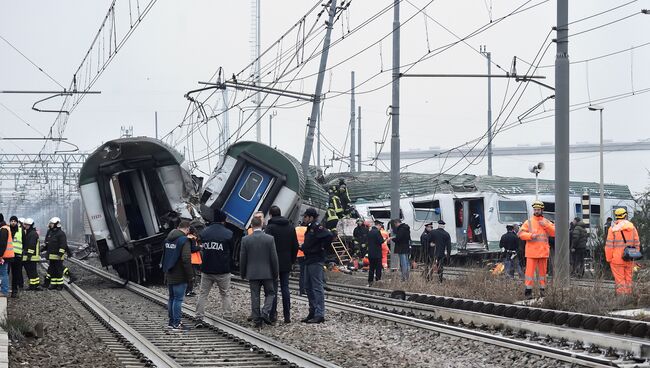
{"x":509,"y":245}
{"x":317,"y":239}
{"x":31,"y":254}
{"x":402,"y":240}
{"x":579,"y":237}
{"x":621,"y":235}
{"x":442,"y":247}
{"x":56,"y":245}
{"x":536,"y":231}
{"x":375,"y":241}
{"x":425,"y":242}
{"x":217,"y":246}
{"x":7,"y":251}
{"x":16,"y":266}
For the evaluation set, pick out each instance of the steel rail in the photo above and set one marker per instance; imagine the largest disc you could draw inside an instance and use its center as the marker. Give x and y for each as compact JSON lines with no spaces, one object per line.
{"x":283,"y":351}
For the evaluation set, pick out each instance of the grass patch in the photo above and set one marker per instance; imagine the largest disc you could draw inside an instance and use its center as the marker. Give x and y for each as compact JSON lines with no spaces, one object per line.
{"x":16,"y":328}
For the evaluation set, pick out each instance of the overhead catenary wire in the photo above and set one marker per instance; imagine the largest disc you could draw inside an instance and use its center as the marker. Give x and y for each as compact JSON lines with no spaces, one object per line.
{"x":32,"y":62}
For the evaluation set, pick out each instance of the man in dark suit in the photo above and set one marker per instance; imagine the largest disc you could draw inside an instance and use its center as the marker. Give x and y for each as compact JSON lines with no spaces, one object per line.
{"x":259,"y":265}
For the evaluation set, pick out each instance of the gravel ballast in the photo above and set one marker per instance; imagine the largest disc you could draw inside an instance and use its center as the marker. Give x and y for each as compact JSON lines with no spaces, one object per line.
{"x":67,"y":342}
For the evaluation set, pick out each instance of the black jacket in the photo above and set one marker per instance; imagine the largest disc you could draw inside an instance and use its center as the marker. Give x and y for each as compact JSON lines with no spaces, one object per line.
{"x":182,"y":271}
{"x":317,"y":239}
{"x":509,"y":241}
{"x":360,"y":234}
{"x":30,"y":243}
{"x":425,"y":239}
{"x":579,"y":236}
{"x":217,"y":244}
{"x":286,"y":241}
{"x":443,"y":242}
{"x":4,"y":237}
{"x":375,"y":240}
{"x":402,"y":239}
{"x":56,"y":243}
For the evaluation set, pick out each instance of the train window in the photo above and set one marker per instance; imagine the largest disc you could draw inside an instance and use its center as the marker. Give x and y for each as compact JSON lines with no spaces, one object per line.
{"x":512,"y":211}
{"x":549,"y":210}
{"x":383,"y":213}
{"x":428,"y":211}
{"x":251,"y":185}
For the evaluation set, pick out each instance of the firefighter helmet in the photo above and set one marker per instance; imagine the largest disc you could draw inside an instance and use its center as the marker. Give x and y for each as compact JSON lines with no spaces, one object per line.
{"x":538,"y":204}
{"x":55,"y":221}
{"x":29,"y":221}
{"x":620,"y":213}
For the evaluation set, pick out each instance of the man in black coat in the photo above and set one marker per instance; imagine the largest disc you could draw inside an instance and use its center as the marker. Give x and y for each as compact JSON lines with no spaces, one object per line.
{"x":375,"y":241}
{"x":402,"y":240}
{"x":509,"y":245}
{"x":217,"y":246}
{"x":360,"y":238}
{"x":440,"y":237}
{"x":317,"y":239}
{"x":579,"y":237}
{"x":286,"y":245}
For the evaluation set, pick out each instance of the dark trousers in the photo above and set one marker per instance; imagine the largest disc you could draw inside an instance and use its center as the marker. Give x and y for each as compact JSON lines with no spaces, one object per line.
{"x":54,"y":275}
{"x":17,"y":280}
{"x":374,"y":270}
{"x":269,"y":295}
{"x":578,"y":262}
{"x":197,"y":271}
{"x":301,"y":278}
{"x":32,"y":273}
{"x":439,"y":266}
{"x":314,"y":283}
{"x":286,"y":297}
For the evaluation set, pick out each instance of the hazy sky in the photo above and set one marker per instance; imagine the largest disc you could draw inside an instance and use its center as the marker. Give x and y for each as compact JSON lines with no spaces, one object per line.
{"x":182,"y":42}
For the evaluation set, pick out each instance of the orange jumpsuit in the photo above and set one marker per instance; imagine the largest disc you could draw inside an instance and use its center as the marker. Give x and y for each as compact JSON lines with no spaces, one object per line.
{"x":621,"y":234}
{"x":384,"y":249}
{"x":535,"y":232}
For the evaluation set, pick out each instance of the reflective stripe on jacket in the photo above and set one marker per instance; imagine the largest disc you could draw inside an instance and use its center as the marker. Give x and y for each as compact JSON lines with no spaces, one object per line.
{"x":9,"y":250}
{"x":536,"y":232}
{"x":621,"y":234}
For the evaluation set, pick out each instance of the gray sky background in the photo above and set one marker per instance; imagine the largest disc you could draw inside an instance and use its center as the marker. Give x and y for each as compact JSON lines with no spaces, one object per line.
{"x":182,"y":42}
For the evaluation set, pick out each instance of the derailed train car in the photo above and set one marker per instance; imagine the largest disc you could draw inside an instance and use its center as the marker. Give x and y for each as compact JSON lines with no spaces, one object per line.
{"x":134,"y":191}
{"x":252,"y":177}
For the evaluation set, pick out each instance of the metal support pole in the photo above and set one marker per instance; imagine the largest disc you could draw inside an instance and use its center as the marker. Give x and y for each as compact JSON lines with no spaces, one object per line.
{"x":376,"y":157}
{"x":318,"y":146}
{"x":309,"y":141}
{"x":536,"y":185}
{"x":489,"y":112}
{"x":271,"y":130}
{"x":359,"y":137}
{"x":353,"y":138}
{"x":561,"y":261}
{"x":602,"y":175}
{"x":258,"y":77}
{"x":156,"y":123}
{"x":394,"y":141}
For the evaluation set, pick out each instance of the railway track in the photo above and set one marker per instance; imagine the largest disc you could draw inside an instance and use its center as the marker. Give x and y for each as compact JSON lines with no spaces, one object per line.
{"x":557,"y":341}
{"x":122,"y":305}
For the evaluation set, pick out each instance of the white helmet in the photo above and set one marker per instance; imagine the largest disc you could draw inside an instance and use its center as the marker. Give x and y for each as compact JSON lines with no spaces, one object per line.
{"x":28,"y":221}
{"x":21,"y":220}
{"x":55,"y":221}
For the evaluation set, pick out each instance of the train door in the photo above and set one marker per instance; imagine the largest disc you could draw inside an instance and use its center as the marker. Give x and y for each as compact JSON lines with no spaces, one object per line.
{"x":469,"y":214}
{"x":248,"y":192}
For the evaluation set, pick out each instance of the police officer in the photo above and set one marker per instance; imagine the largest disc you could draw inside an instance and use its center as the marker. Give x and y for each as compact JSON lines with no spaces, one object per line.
{"x":442,"y":240}
{"x":317,"y":239}
{"x":31,"y":254}
{"x":56,"y":245}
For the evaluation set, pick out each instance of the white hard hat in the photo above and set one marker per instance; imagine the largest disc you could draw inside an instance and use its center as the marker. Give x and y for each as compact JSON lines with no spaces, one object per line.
{"x":28,"y":221}
{"x":56,"y":221}
{"x":21,"y":219}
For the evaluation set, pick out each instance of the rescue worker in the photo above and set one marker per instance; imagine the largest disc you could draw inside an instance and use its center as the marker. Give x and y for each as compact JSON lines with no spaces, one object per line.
{"x":56,"y":245}
{"x":509,"y":245}
{"x":17,"y":235}
{"x":385,"y":249}
{"x":300,"y":257}
{"x":579,"y":237}
{"x":442,"y":247}
{"x":621,"y":234}
{"x":332,"y":219}
{"x":344,"y":196}
{"x":196,"y":260}
{"x":31,"y":254}
{"x":375,"y":241}
{"x":317,"y":239}
{"x":360,"y":238}
{"x":335,"y":201}
{"x":536,"y":231}
{"x":7,"y":251}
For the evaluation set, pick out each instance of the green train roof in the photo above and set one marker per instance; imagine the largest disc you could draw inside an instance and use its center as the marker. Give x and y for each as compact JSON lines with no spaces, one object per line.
{"x":374,"y":186}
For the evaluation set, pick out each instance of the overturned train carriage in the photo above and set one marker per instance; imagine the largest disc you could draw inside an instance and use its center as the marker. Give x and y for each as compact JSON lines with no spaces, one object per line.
{"x":253,"y":177}
{"x":134,"y":191}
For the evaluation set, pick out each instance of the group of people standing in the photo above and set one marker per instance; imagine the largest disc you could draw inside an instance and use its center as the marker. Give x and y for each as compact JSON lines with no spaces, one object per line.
{"x":267,"y":254}
{"x":20,"y":248}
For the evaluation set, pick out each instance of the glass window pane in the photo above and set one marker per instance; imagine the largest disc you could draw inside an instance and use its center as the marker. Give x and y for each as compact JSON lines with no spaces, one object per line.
{"x":426,"y":215}
{"x":512,"y":206}
{"x":251,"y":185}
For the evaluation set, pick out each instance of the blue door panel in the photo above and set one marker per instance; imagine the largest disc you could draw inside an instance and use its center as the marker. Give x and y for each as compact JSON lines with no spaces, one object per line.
{"x":246,"y":195}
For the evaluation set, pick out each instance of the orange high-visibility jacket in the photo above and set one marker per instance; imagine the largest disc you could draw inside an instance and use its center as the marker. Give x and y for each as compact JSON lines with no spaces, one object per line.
{"x":196,"y":256}
{"x":9,"y":251}
{"x":300,"y":234}
{"x":621,"y":234}
{"x":536,"y":231}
